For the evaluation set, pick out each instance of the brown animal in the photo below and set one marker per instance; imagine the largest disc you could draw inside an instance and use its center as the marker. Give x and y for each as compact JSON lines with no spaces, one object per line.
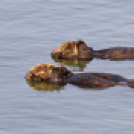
{"x":60,"y":75}
{"x":47,"y":72}
{"x":79,"y":49}
{"x":72,"y":49}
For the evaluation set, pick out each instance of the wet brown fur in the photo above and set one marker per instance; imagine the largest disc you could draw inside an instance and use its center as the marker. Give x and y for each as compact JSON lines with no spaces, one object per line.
{"x":66,"y":51}
{"x":115,"y":53}
{"x":60,"y":75}
{"x":47,"y":72}
{"x":39,"y":72}
{"x":72,"y":49}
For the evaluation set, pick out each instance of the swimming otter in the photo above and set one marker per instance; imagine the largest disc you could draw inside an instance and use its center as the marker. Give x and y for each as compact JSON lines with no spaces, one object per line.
{"x":80,"y":50}
{"x":60,"y":75}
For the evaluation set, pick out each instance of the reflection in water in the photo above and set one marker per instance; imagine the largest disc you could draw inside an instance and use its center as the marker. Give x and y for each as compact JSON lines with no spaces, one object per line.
{"x":82,"y":87}
{"x":44,"y":86}
{"x":74,"y":64}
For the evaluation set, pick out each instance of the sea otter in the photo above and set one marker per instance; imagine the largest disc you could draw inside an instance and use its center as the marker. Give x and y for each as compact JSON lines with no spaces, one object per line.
{"x":80,"y":50}
{"x":61,"y":75}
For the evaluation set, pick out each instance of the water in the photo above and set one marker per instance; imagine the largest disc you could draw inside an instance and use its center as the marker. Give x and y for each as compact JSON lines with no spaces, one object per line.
{"x":29,"y":31}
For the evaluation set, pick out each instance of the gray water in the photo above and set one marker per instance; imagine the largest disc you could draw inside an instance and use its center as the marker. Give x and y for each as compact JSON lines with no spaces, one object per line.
{"x":29,"y":31}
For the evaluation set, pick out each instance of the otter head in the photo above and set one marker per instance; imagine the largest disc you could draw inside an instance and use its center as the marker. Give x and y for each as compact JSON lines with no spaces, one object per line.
{"x":48,"y":73}
{"x":40,"y":72}
{"x":66,"y":50}
{"x":72,"y":49}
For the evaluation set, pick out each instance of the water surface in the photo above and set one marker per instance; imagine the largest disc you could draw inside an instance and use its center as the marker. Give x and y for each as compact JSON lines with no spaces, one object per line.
{"x":29,"y":31}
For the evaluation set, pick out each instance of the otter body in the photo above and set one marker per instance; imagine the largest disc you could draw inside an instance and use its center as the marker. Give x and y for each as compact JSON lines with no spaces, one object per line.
{"x":115,"y":53}
{"x":60,"y":75}
{"x":80,"y":50}
{"x":96,"y":80}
